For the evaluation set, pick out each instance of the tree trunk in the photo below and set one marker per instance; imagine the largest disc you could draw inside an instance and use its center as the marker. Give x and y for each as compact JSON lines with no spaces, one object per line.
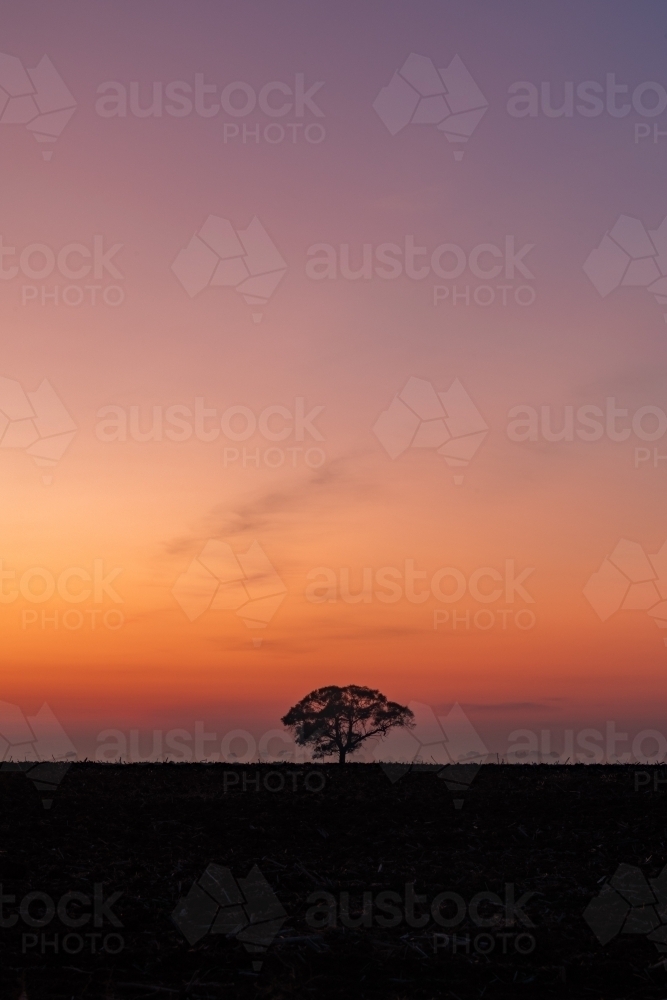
{"x":341,"y":755}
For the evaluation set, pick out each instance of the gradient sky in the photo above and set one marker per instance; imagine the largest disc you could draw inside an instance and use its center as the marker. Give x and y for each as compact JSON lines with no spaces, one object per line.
{"x":348,"y":346}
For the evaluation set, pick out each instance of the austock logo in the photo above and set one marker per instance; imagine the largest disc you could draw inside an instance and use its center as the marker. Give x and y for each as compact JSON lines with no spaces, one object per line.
{"x":246,"y":909}
{"x":483,"y":262}
{"x":591,"y":99}
{"x":446,"y":422}
{"x":221,"y":580}
{"x":37,"y":745}
{"x":447,"y":909}
{"x":38,"y":910}
{"x":630,"y":255}
{"x":448,"y":745}
{"x":219,"y":256}
{"x":629,"y":904}
{"x":36,"y":422}
{"x":630,"y":580}
{"x":238,"y":100}
{"x":420,"y":94}
{"x":37,"y":98}
{"x":76,"y":262}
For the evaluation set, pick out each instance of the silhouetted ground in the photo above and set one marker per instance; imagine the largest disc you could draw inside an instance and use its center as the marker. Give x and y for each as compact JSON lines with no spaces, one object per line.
{"x":148,"y":831}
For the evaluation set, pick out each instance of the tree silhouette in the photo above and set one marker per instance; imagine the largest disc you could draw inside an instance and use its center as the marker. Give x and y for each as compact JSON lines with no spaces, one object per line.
{"x":338,"y":719}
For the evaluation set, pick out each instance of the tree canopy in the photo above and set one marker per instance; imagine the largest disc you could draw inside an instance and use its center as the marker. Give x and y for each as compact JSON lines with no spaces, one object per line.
{"x":337,"y":720}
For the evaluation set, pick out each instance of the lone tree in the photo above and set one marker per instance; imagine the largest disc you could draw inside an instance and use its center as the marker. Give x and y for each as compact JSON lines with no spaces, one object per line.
{"x":338,"y":719}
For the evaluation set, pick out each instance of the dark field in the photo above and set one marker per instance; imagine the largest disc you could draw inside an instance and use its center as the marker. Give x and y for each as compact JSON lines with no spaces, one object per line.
{"x":148,"y":831}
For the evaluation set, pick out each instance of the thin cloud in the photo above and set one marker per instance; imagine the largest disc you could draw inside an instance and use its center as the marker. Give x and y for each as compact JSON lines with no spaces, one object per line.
{"x":513,"y":706}
{"x":328,"y":487}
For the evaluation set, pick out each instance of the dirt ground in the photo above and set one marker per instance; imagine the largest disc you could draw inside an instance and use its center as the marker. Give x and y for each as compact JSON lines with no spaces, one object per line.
{"x":322,"y":881}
